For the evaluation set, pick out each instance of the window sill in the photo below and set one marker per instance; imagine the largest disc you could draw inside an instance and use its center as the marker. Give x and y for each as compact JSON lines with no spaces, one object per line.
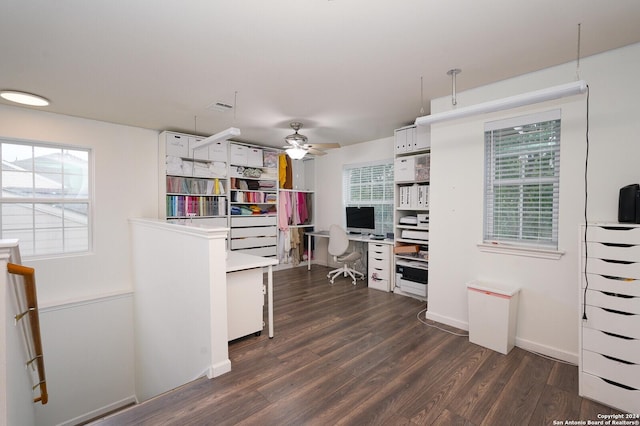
{"x":515,"y":250}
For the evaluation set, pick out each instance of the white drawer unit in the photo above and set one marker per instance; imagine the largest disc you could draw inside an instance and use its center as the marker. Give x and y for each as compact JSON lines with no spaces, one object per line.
{"x":254,"y":235}
{"x":609,"y":370}
{"x":379,"y":266}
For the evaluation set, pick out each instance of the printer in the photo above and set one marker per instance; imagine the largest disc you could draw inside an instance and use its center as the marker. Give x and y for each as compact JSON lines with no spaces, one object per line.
{"x":412,"y":279}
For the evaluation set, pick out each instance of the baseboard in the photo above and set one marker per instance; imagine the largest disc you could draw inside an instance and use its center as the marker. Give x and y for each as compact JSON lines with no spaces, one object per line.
{"x":447,"y":320}
{"x":219,"y":369}
{"x":101,"y":412}
{"x":525,"y":344}
{"x":549,"y":351}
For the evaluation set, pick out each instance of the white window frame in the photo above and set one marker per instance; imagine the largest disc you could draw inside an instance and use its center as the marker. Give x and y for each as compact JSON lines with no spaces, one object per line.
{"x":35,"y":246}
{"x":383,"y":206}
{"x":544,"y":245}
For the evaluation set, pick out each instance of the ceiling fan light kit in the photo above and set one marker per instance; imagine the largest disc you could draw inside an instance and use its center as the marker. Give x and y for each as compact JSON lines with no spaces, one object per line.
{"x":298,"y":146}
{"x":296,"y":152}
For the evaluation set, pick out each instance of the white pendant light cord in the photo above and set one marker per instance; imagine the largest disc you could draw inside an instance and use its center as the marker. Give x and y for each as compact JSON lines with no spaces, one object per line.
{"x":578,"y":56}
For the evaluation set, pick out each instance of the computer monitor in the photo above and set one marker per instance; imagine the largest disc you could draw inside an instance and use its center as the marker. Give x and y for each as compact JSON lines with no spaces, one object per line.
{"x":360,"y":219}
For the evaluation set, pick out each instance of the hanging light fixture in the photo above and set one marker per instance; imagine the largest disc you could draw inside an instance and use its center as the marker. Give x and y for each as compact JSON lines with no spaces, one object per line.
{"x":218,"y":137}
{"x":296,"y":152}
{"x":556,"y":92}
{"x":24,"y":98}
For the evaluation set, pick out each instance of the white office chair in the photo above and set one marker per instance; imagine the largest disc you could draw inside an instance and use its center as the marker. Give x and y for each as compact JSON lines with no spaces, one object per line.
{"x":338,"y":245}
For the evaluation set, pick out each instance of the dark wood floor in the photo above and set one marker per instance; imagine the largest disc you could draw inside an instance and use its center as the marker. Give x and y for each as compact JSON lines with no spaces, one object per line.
{"x":347,"y":355}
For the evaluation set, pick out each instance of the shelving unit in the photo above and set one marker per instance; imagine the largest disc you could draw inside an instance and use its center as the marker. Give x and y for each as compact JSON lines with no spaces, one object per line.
{"x":411,"y":229}
{"x":253,"y":191}
{"x":298,"y":189}
{"x":193,"y":182}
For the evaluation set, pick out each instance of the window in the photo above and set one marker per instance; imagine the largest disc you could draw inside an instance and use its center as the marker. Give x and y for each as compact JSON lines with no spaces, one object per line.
{"x":522,"y":175}
{"x":45,"y":200}
{"x":371,"y":184}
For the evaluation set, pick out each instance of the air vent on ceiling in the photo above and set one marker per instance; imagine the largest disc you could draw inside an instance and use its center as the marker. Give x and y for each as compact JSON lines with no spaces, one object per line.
{"x":220,"y":106}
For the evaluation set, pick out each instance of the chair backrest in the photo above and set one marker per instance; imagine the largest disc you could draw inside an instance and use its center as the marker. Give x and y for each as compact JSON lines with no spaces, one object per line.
{"x":338,"y":240}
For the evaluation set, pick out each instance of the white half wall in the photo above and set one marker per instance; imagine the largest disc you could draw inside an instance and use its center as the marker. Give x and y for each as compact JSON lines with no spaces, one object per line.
{"x":548,"y":316}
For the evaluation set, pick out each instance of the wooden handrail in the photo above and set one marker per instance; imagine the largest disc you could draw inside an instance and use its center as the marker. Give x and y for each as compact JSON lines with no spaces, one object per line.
{"x":31,"y":310}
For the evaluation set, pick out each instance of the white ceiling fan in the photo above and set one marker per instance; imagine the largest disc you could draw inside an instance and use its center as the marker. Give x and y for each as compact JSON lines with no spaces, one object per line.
{"x":298,"y":146}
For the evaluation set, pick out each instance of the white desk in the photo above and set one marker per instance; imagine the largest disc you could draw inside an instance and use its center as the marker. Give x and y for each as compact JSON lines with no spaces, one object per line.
{"x":237,"y":261}
{"x":363,"y":238}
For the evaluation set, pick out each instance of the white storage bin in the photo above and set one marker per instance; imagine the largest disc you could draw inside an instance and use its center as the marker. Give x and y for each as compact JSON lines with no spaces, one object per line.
{"x":493,"y":312}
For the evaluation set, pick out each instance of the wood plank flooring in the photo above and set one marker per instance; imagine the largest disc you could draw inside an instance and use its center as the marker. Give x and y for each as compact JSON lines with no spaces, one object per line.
{"x":348,"y":355}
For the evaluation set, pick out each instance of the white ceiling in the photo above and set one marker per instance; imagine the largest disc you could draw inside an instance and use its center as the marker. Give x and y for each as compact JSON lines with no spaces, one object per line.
{"x":350,"y":70}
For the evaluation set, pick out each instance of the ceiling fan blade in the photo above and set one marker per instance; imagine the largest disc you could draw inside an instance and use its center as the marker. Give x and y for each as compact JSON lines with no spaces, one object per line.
{"x":322,"y":145}
{"x":314,"y":151}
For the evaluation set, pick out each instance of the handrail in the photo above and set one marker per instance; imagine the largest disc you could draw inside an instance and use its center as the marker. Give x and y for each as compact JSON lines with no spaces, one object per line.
{"x":31,"y":310}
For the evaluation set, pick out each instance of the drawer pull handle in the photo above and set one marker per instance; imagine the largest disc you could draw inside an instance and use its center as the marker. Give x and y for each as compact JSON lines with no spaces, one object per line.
{"x":619,"y":262}
{"x":618,"y":359}
{"x":611,"y":277}
{"x":613,"y":311}
{"x":622,"y":296}
{"x":617,"y":228}
{"x":619,"y":336}
{"x":618,"y":245}
{"x":620,"y":385}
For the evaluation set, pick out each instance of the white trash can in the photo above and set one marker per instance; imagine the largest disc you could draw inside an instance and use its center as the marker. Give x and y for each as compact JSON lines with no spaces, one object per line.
{"x":493,"y":310}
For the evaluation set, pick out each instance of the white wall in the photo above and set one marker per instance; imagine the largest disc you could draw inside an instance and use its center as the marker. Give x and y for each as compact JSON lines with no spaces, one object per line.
{"x":180,"y":305}
{"x":328,"y":185}
{"x":548,"y":315}
{"x":81,"y":295}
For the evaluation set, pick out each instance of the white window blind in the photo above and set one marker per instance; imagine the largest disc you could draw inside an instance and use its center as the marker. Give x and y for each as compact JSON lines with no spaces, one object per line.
{"x":522,"y":166}
{"x":45,"y":200}
{"x":371,"y":184}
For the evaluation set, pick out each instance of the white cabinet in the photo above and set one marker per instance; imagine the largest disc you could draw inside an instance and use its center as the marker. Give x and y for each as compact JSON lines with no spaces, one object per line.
{"x":609,"y":368}
{"x":193,"y":182}
{"x":379,"y":266}
{"x":253,"y":192}
{"x":245,"y":303}
{"x":223,"y":184}
{"x":411,"y":175}
{"x":411,"y":139}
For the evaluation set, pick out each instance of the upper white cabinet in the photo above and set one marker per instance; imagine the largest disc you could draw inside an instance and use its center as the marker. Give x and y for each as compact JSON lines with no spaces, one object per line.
{"x":193,"y":182}
{"x":411,"y":139}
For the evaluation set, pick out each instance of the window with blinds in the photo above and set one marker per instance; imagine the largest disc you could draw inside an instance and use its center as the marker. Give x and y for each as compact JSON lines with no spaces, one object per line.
{"x":522,"y":175}
{"x":370,"y":184}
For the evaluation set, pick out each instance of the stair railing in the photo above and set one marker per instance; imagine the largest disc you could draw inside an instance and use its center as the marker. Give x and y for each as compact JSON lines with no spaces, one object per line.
{"x":29,"y":320}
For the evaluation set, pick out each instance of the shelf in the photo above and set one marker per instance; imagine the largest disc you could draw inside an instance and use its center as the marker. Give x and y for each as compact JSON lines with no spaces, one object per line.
{"x":414,"y":262}
{"x":417,"y":228}
{"x":224,"y":216}
{"x":307,"y":191}
{"x":269,"y":191}
{"x":255,"y":215}
{"x":409,"y":241}
{"x":411,"y":209}
{"x":183,"y":194}
{"x":251,"y":202}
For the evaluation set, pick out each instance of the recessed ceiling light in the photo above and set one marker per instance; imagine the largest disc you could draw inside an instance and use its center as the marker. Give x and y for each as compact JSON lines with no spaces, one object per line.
{"x":24,"y":98}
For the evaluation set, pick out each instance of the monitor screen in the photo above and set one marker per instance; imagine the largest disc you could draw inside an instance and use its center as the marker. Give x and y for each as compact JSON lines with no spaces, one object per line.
{"x":360,"y":219}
